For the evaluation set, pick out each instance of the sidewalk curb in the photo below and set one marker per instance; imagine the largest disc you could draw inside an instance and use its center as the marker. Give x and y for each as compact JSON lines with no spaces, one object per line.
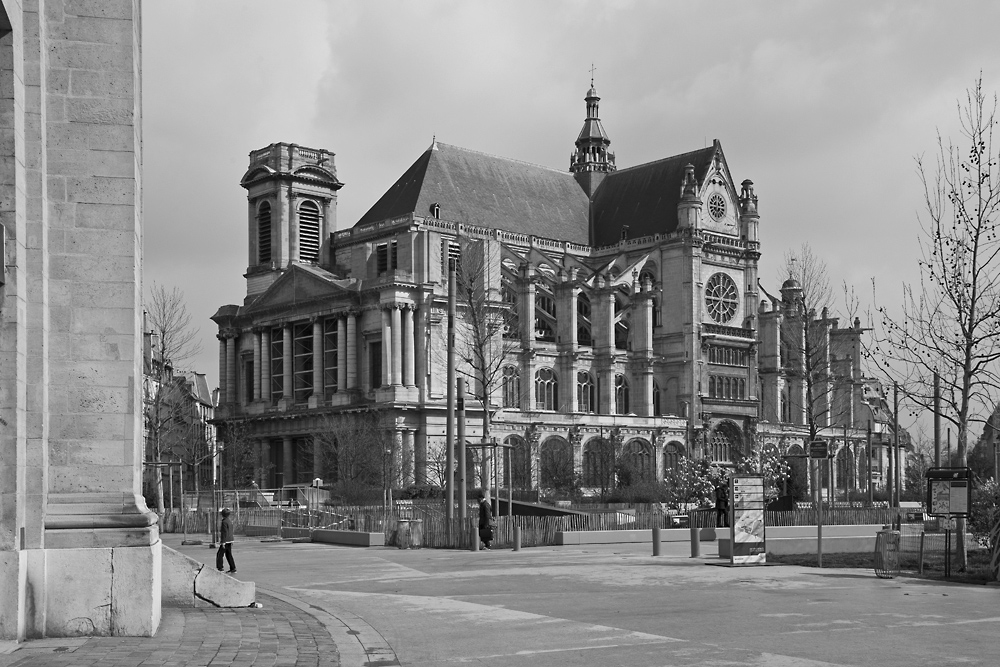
{"x":358,"y":643}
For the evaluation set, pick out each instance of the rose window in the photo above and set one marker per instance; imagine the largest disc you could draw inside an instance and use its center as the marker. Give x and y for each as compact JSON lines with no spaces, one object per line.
{"x":722,"y":298}
{"x":717,"y":206}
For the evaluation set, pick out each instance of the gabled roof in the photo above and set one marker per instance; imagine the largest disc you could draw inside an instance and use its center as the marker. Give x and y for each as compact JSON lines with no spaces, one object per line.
{"x":645,"y":197}
{"x":301,"y":283}
{"x":481,"y":189}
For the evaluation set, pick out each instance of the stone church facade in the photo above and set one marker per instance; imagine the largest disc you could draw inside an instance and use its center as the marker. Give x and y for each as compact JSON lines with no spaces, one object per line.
{"x":636,"y":315}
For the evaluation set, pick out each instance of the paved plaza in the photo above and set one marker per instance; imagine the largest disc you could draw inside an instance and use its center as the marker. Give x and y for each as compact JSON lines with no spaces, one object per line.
{"x":589,"y":605}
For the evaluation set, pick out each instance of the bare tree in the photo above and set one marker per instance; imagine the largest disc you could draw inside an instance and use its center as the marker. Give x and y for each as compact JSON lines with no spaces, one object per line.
{"x":360,"y":455}
{"x":170,"y":341}
{"x":950,"y":321}
{"x":484,"y":316}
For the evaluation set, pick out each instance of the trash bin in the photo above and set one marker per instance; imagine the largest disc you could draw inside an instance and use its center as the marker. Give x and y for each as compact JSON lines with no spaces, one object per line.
{"x":887,"y":554}
{"x":403,"y":533}
{"x":416,"y":533}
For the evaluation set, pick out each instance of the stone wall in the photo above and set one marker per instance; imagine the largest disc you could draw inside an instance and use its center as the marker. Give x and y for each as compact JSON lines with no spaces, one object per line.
{"x":79,"y":551}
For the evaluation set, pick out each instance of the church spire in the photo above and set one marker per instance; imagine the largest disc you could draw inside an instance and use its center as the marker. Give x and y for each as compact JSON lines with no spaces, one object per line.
{"x":592,"y":159}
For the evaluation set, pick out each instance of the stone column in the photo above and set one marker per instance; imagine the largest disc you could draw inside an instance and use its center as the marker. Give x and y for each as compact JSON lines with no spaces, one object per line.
{"x":223,"y":388}
{"x":341,"y":354}
{"x":421,"y":371}
{"x":287,"y":381}
{"x":256,"y":363}
{"x":397,"y":347}
{"x":318,"y":389}
{"x":352,"y":351}
{"x":420,"y":457}
{"x":265,"y":364}
{"x":287,"y":461}
{"x":408,"y":459}
{"x":386,"y":379}
{"x":408,"y":345}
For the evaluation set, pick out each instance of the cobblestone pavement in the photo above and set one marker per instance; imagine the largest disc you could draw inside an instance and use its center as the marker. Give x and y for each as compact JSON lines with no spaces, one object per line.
{"x":278,"y":634}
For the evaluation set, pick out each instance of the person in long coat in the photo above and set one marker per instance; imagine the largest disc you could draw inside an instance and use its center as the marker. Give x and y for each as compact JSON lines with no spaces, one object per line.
{"x":226,"y":543}
{"x":485,"y":520}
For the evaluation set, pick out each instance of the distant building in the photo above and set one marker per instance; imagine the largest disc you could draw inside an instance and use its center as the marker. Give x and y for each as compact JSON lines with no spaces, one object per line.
{"x":635,"y":315}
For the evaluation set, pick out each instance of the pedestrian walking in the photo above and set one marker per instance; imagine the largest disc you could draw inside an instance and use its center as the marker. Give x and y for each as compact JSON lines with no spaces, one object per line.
{"x":486,"y":520}
{"x":226,"y":543}
{"x":722,"y":504}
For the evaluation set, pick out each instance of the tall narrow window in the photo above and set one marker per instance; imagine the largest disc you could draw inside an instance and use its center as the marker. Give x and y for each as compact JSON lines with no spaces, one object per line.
{"x":382,"y":258}
{"x":546,"y":389}
{"x":375,"y":364}
{"x":585,"y":393}
{"x":330,"y":360}
{"x":621,"y":395}
{"x":511,"y":387}
{"x":277,"y":363}
{"x":308,"y":231}
{"x":657,"y":408}
{"x":302,"y":362}
{"x":394,"y":255}
{"x":264,"y":233}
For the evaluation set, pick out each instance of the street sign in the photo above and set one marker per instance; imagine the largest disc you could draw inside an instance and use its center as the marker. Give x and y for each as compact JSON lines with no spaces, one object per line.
{"x":949,"y":492}
{"x":818,"y":449}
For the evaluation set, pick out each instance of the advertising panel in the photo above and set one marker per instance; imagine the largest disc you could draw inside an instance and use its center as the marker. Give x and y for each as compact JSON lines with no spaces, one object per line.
{"x":747,"y":526}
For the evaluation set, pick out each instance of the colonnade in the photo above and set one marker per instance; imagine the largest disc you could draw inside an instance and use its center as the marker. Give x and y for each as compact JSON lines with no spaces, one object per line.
{"x":398,"y":362}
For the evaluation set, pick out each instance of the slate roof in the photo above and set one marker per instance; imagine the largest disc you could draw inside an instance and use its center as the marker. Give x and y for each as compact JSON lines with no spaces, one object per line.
{"x":481,"y":189}
{"x":644,"y":197}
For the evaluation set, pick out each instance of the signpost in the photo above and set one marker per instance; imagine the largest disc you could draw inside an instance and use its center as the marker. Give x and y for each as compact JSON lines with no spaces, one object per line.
{"x":949,"y":495}
{"x":746,"y":527}
{"x":820,"y":450}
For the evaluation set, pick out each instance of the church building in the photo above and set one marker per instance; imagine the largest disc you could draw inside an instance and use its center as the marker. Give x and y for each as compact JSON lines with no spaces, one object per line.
{"x":632,"y":316}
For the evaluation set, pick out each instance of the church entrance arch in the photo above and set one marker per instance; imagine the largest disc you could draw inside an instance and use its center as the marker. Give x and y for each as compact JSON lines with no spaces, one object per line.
{"x":725,"y":443}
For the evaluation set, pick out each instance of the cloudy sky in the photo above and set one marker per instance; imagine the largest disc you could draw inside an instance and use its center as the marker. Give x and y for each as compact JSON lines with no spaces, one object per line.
{"x":824,"y":105}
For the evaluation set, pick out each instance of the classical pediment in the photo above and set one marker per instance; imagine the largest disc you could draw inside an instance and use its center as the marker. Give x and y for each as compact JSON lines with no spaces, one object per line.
{"x":302,"y":286}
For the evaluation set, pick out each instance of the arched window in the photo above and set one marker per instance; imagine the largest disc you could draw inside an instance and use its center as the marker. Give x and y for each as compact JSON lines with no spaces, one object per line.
{"x":672,"y":453}
{"x":657,"y":408}
{"x":520,"y":463}
{"x":556,"y":463}
{"x":511,"y":387}
{"x":621,"y":395}
{"x":726,"y":444}
{"x":585,"y":392}
{"x":264,"y":233}
{"x":637,"y":457}
{"x":546,"y":389}
{"x":309,"y":218}
{"x":599,"y":464}
{"x":711,"y":386}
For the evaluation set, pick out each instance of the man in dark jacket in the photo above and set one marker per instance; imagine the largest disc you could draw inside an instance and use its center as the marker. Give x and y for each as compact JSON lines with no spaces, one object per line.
{"x":722,"y":504}
{"x":486,"y":522}
{"x":226,"y":543}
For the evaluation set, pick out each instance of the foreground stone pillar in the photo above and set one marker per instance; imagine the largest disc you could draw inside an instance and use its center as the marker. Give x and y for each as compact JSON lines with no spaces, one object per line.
{"x":79,"y":551}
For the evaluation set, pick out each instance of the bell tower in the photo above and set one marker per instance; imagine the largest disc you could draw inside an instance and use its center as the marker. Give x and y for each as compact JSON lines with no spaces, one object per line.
{"x":592,"y":160}
{"x":291,"y":212}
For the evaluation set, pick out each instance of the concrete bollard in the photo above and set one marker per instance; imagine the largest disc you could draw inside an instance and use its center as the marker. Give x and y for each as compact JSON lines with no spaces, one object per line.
{"x":656,"y":540}
{"x":517,"y":538}
{"x":475,"y":537}
{"x":695,"y":542}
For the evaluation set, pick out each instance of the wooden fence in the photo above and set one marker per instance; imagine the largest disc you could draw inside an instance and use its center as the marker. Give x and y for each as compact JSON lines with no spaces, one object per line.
{"x":435,"y":531}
